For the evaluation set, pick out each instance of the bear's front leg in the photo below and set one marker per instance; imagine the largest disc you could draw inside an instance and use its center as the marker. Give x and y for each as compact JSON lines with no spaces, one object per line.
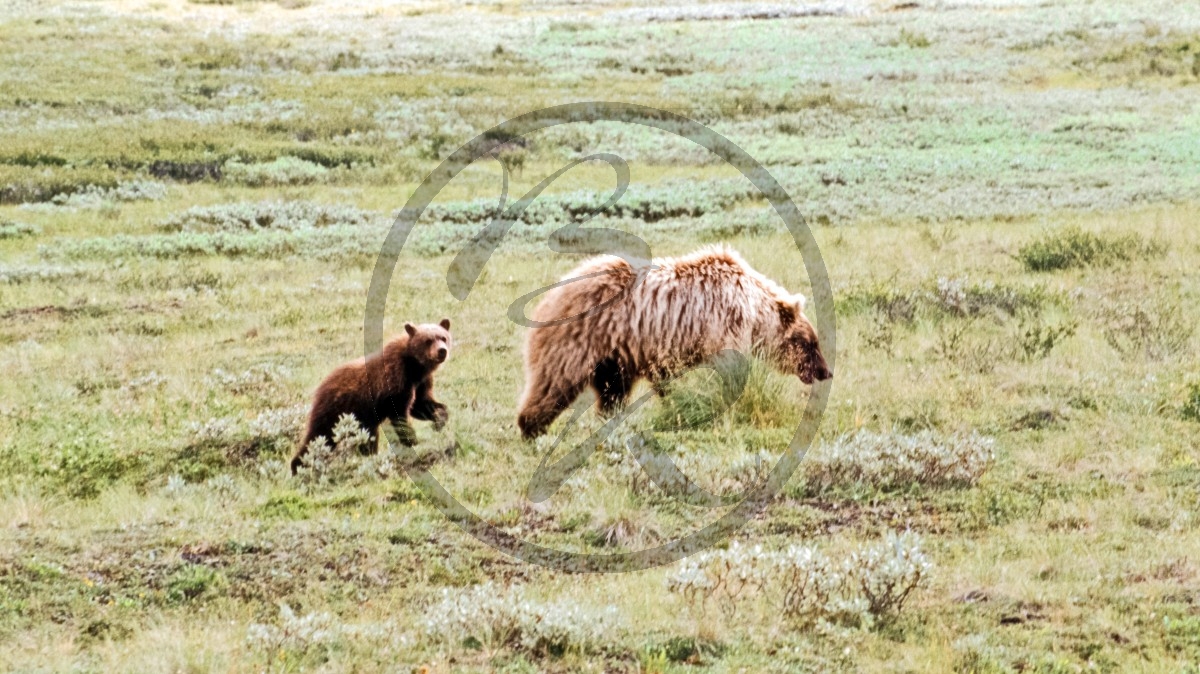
{"x":426,"y":408}
{"x":431,"y":410}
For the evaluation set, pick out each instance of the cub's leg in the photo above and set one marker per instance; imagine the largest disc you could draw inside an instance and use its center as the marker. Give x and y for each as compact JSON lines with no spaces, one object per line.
{"x":426,"y":408}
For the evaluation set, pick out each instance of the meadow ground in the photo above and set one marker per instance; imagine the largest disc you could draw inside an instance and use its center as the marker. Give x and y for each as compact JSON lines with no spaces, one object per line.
{"x":1006,"y":195}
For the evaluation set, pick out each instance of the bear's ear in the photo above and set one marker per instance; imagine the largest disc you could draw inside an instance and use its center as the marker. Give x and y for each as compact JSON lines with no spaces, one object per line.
{"x":801,"y":301}
{"x":788,"y":311}
{"x":410,"y":329}
{"x":445,"y":324}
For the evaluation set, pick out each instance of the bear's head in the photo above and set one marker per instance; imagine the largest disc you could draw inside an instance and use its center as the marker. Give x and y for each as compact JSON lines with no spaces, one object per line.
{"x":429,"y":344}
{"x":798,"y":349}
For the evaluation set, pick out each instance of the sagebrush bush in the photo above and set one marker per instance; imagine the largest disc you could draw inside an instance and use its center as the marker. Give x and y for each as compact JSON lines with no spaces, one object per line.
{"x":34,"y":273}
{"x":647,"y":204}
{"x":325,"y":456}
{"x":272,"y":430}
{"x":869,"y":584}
{"x":96,"y":196}
{"x":334,"y":242}
{"x":257,"y":377}
{"x":38,"y":184}
{"x":1073,"y":247}
{"x":887,"y":461}
{"x":15,"y":230}
{"x":658,"y":473}
{"x":267,"y":215}
{"x":279,"y":172}
{"x":314,"y":634}
{"x":496,"y":618}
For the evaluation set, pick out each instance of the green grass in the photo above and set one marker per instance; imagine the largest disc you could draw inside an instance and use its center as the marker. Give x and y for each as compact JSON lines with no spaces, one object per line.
{"x":1005,"y":200}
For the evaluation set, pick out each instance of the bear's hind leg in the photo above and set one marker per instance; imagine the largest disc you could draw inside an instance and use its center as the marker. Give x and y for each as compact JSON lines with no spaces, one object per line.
{"x":319,"y":425}
{"x":544,"y":402}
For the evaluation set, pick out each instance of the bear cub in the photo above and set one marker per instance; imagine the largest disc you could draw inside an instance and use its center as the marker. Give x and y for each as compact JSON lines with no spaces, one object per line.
{"x":395,"y":383}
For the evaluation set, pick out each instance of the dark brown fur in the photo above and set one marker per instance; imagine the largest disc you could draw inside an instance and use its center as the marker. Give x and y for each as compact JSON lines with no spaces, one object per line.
{"x":395,"y":383}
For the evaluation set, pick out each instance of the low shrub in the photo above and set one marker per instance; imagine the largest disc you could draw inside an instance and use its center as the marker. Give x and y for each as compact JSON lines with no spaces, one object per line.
{"x":944,"y":297}
{"x":256,"y":378}
{"x":313,"y":635}
{"x":698,"y":476}
{"x":493,"y":618}
{"x":16,"y":230}
{"x":23,"y":184}
{"x":273,"y":430}
{"x":865,"y":587}
{"x":34,"y":273}
{"x":83,"y":467}
{"x":328,"y":243}
{"x":325,"y":455}
{"x":889,"y":461}
{"x":194,"y":582}
{"x":279,"y":172}
{"x":1073,"y":247}
{"x":1156,"y":327}
{"x":266,"y":215}
{"x":96,"y":196}
{"x":647,"y":204}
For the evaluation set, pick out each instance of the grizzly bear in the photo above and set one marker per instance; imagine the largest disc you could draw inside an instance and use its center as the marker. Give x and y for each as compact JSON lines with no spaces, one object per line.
{"x":393,"y":384}
{"x":614,"y":324}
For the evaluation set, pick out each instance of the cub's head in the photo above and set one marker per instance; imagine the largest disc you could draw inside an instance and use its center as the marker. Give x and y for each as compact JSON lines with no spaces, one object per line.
{"x":429,"y":343}
{"x":798,"y":350}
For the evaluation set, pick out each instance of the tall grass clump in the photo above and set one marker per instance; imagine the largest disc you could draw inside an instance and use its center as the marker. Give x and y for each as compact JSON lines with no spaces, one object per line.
{"x":889,"y":461}
{"x":866,"y":586}
{"x":486,"y":616}
{"x":1191,"y":403}
{"x":735,"y":390}
{"x":1073,"y":247}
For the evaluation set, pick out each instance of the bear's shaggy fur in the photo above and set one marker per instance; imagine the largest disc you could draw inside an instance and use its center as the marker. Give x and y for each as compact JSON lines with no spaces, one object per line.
{"x":395,"y":383}
{"x":615,"y":324}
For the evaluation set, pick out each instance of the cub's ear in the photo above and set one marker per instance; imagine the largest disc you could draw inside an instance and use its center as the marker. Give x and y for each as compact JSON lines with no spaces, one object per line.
{"x":410,"y":329}
{"x":445,"y":324}
{"x":801,"y":300}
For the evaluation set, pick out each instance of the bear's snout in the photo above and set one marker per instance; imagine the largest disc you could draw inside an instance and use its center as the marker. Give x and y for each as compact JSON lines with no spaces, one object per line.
{"x":816,"y":370}
{"x":820,"y":370}
{"x":442,"y":352}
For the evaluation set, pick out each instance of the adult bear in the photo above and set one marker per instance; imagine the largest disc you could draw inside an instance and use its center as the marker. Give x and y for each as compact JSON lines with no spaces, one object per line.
{"x":614,"y":324}
{"x":393,"y":384}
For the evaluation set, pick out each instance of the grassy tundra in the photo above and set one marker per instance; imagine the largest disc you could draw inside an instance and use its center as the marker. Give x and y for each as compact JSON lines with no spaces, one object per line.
{"x":1006,"y":194}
